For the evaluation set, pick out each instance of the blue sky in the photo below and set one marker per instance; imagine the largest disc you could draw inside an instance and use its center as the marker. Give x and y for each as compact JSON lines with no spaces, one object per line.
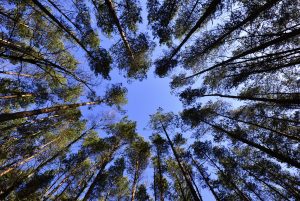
{"x":144,"y":97}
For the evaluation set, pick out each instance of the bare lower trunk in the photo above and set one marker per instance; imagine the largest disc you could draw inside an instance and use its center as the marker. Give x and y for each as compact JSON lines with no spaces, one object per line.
{"x":17,"y":115}
{"x":134,"y":183}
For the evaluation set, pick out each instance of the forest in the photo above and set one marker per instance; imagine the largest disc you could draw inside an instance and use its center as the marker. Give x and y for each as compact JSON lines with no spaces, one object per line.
{"x":67,"y":67}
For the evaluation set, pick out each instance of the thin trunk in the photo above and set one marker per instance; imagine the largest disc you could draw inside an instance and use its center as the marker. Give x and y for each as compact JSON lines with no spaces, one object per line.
{"x":100,"y":172}
{"x":208,"y":12}
{"x":154,"y":184}
{"x":84,"y":186}
{"x":13,"y":19}
{"x":52,"y":185}
{"x":266,"y":150}
{"x":17,"y":74}
{"x":292,"y":186}
{"x":43,"y":62}
{"x":54,"y":19}
{"x":266,"y":69}
{"x":27,"y":123}
{"x":17,"y":115}
{"x":160,"y":176}
{"x":261,"y":126}
{"x":250,"y":51}
{"x":63,"y":14}
{"x":189,"y":183}
{"x":61,"y":193}
{"x":8,"y":97}
{"x":281,"y":101}
{"x":95,"y":181}
{"x":54,"y":190}
{"x":278,"y":119}
{"x":135,"y":180}
{"x":110,"y":6}
{"x":194,"y":183}
{"x":22,"y":162}
{"x":180,"y":187}
{"x":64,"y":149}
{"x":252,"y":16}
{"x":268,"y":185}
{"x":206,"y":179}
{"x":236,"y":189}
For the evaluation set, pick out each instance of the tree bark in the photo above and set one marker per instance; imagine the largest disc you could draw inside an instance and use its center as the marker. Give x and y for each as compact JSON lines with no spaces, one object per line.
{"x":54,"y":19}
{"x":261,"y":126}
{"x":248,"y":19}
{"x":266,"y":150}
{"x":22,"y":162}
{"x":110,"y":6}
{"x":135,"y":179}
{"x":189,"y":183}
{"x":281,"y":101}
{"x":160,"y":176}
{"x":8,"y":97}
{"x":208,"y":12}
{"x":250,"y":51}
{"x":18,"y":74}
{"x":17,"y":115}
{"x":206,"y":180}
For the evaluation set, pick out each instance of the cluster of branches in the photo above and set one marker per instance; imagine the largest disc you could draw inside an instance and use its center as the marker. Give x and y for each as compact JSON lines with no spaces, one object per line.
{"x":237,"y":136}
{"x":236,"y":71}
{"x":48,"y":150}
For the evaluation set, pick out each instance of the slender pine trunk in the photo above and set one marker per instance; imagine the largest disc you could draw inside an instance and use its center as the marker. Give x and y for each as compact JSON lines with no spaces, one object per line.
{"x":17,"y":115}
{"x":187,"y":180}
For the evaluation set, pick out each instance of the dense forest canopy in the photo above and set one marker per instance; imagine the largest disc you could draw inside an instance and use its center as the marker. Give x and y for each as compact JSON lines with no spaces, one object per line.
{"x":233,"y":64}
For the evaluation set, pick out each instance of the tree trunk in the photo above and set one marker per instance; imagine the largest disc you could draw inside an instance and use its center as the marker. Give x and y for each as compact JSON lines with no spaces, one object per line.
{"x":100,"y":172}
{"x":261,"y":126}
{"x":8,"y":97}
{"x":22,"y":162}
{"x":268,"y":185}
{"x":110,"y":6}
{"x":266,"y":150}
{"x":65,"y":188}
{"x":54,"y":19}
{"x":250,"y":51}
{"x":135,"y":180}
{"x":17,"y":115}
{"x":17,"y":74}
{"x":276,"y":101}
{"x":161,"y":193}
{"x":180,"y":187}
{"x":189,"y":183}
{"x":84,"y":186}
{"x":248,"y":19}
{"x":54,"y":190}
{"x":206,"y":180}
{"x":154,"y":184}
{"x":208,"y":12}
{"x":236,"y":189}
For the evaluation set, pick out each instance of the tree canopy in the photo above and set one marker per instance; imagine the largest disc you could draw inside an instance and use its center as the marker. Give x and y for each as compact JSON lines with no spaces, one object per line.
{"x":65,"y":131}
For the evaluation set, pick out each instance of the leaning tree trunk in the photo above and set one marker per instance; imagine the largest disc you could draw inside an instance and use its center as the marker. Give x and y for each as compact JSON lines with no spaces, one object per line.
{"x":240,"y":24}
{"x":187,"y":180}
{"x":208,"y":12}
{"x":112,"y":11}
{"x":206,"y":180}
{"x":275,"y":41}
{"x":8,"y":97}
{"x":22,"y":162}
{"x":17,"y":115}
{"x":270,"y":152}
{"x":135,"y":179}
